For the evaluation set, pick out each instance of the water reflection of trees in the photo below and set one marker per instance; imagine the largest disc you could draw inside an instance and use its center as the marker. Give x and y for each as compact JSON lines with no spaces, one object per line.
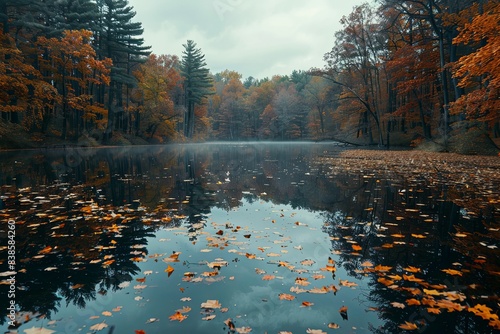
{"x":179,"y":185}
{"x":425,"y":218}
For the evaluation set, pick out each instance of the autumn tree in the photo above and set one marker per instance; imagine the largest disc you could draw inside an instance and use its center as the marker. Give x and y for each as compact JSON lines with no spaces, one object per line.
{"x":74,"y":69}
{"x":24,"y":95}
{"x":157,"y":80}
{"x":316,"y":95}
{"x":197,"y":83}
{"x":355,"y":64}
{"x":230,"y":119}
{"x":413,"y":74}
{"x":259,"y":99}
{"x":478,"y":71}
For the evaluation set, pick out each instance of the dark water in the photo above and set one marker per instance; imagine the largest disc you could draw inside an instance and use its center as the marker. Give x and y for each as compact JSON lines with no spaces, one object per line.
{"x":99,"y":231}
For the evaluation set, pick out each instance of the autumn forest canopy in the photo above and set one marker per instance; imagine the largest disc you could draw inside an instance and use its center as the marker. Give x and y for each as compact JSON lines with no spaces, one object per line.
{"x":418,"y":72}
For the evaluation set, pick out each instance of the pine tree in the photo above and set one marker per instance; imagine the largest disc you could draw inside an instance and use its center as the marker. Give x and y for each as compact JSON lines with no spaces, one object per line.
{"x":119,"y":38}
{"x":197,"y":83}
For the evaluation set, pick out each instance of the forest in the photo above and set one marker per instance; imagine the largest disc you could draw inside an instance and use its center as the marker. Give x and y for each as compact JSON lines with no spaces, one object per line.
{"x":399,"y":73}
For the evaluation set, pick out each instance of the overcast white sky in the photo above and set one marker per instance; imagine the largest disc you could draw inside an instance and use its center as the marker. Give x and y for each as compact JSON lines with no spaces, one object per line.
{"x":258,"y":38}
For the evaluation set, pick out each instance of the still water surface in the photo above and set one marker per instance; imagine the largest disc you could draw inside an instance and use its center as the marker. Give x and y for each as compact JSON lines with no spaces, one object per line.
{"x":280,"y":236}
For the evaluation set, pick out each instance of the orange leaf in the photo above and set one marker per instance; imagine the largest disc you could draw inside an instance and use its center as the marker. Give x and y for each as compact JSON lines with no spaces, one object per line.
{"x":307,"y":304}
{"x":169,"y":270}
{"x":382,"y":268}
{"x":408,"y":326}
{"x":452,"y":272}
{"x":139,"y":331}
{"x":286,"y":296}
{"x":177,"y":316}
{"x":250,"y":256}
{"x":385,"y":281}
{"x":412,"y":269}
{"x":412,"y":301}
{"x":356,"y":247}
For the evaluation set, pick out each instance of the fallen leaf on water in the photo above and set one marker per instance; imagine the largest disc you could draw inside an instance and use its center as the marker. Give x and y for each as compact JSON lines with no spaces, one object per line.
{"x":347,"y":283}
{"x":169,"y":270}
{"x":268,"y":277}
{"x":107,"y":313}
{"x":412,"y":269}
{"x":382,"y":269}
{"x":229,"y":323}
{"x":319,"y":290}
{"x":385,"y":281}
{"x":139,"y":331}
{"x":398,"y":305}
{"x":356,"y":247}
{"x":97,"y":327}
{"x":307,"y":262}
{"x":243,"y":330}
{"x":286,"y":296}
{"x":367,"y":264}
{"x":333,"y":325}
{"x":302,"y":281}
{"x":315,"y":331}
{"x":452,"y":272}
{"x":408,"y":326}
{"x":177,"y":316}
{"x":412,"y":301}
{"x":306,"y":304}
{"x":433,"y":310}
{"x":151,"y":320}
{"x":412,"y":278}
{"x":208,"y":317}
{"x":184,"y":309}
{"x":211,"y":303}
{"x":40,"y":330}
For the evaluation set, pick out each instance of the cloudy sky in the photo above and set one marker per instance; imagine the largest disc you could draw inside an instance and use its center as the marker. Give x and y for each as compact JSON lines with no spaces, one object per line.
{"x":258,"y":38}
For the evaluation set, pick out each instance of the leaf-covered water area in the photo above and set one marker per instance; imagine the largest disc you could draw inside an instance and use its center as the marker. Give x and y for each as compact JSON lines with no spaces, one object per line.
{"x":250,"y":237}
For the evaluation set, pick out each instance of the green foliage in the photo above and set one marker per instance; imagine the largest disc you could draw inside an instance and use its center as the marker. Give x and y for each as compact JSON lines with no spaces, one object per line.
{"x":197,"y":83}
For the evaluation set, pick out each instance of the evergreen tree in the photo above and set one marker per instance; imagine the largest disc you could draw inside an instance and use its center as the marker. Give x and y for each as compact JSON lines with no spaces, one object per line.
{"x":197,"y":83}
{"x":119,"y":38}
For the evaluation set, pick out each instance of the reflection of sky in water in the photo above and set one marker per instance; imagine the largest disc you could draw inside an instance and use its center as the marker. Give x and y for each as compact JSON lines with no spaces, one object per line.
{"x":251,"y":301}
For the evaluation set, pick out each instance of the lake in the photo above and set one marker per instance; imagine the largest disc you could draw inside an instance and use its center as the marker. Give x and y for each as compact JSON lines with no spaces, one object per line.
{"x":248,"y":237}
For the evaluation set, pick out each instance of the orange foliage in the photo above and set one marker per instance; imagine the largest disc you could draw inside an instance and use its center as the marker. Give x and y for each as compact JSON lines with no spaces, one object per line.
{"x":478,"y":71}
